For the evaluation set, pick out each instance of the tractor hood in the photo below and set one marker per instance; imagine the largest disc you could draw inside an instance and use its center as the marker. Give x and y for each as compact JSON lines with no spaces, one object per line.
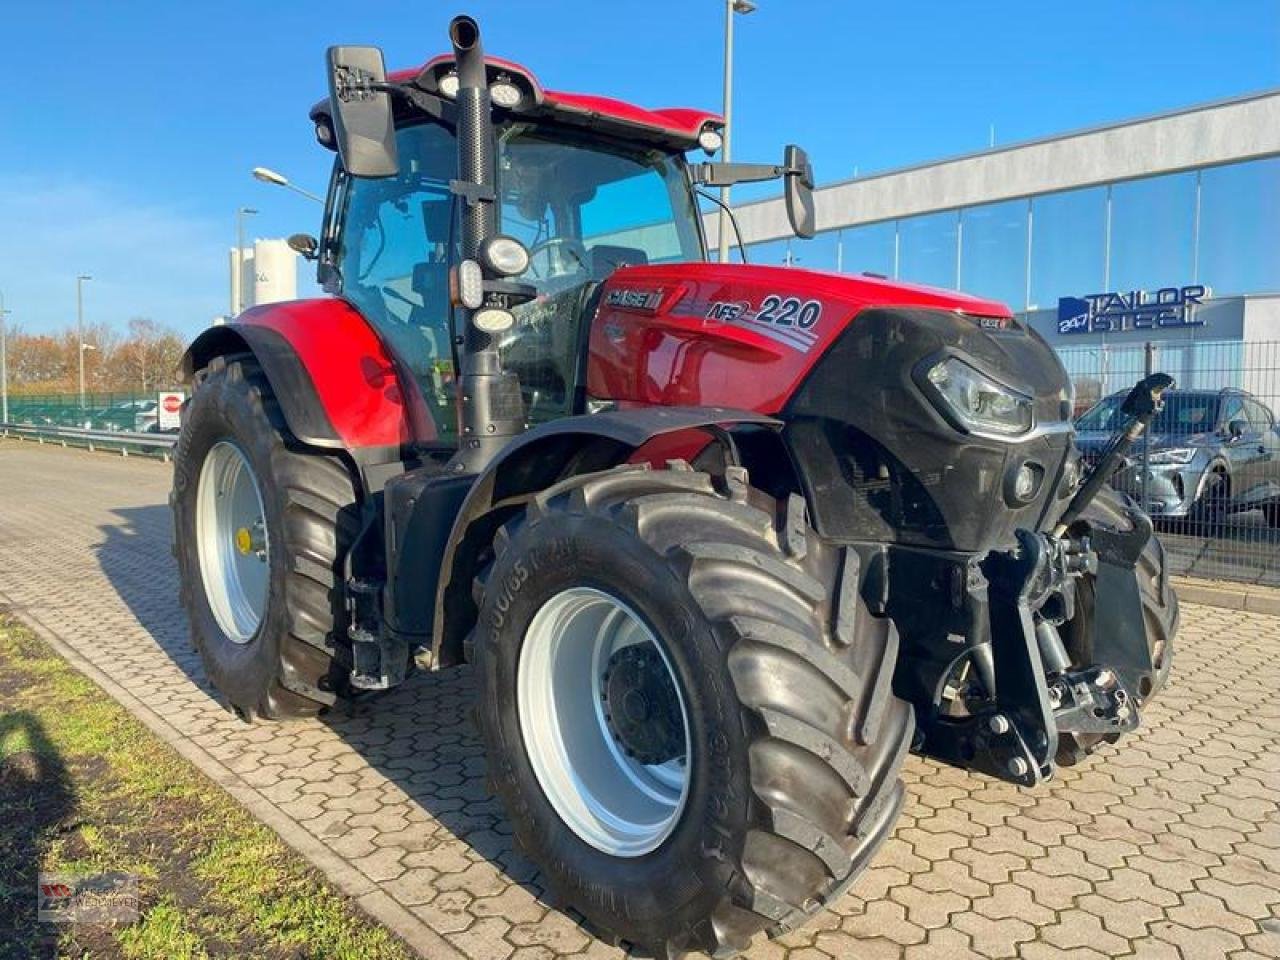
{"x":845,"y":362}
{"x":737,"y":334}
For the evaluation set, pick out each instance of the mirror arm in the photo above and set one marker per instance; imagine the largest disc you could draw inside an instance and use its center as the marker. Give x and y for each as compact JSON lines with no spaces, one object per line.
{"x":728,"y":174}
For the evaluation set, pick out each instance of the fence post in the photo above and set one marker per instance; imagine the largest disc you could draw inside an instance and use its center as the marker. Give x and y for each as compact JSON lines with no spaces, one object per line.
{"x":1148,"y":367}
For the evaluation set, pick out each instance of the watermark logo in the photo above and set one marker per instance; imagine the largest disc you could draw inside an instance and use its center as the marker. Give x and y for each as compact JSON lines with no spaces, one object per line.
{"x":87,"y":898}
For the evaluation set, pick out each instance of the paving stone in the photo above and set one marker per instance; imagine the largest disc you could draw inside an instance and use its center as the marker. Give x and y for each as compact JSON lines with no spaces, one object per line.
{"x":1165,"y":846}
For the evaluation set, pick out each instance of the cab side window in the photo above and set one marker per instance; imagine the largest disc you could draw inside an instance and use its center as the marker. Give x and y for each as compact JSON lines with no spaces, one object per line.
{"x":393,"y":264}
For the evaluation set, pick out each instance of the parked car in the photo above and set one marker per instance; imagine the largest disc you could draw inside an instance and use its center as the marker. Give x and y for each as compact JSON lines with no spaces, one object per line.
{"x":1211,"y":453}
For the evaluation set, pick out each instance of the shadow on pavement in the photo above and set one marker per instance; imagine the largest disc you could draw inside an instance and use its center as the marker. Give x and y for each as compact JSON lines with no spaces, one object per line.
{"x":36,"y":797}
{"x":420,"y":735}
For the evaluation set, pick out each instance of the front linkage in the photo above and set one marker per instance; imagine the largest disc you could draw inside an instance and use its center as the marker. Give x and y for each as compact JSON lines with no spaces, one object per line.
{"x":1002,"y":691}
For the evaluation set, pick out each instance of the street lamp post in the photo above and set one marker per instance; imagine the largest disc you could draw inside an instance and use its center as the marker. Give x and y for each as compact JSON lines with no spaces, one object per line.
{"x":730,"y":8}
{"x":237,"y":288}
{"x":80,"y":281}
{"x":267,"y":175}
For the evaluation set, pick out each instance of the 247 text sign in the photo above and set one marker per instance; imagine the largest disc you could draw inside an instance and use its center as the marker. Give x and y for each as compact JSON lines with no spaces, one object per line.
{"x":1136,"y":310}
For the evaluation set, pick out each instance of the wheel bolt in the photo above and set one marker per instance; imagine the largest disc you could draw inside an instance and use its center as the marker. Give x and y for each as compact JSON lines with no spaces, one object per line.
{"x":1018,"y":767}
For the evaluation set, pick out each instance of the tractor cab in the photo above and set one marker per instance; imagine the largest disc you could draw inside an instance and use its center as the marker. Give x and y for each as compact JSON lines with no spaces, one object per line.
{"x":584,"y":185}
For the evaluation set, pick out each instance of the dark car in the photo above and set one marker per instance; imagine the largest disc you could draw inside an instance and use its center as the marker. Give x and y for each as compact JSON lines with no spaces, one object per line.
{"x":1211,"y":452}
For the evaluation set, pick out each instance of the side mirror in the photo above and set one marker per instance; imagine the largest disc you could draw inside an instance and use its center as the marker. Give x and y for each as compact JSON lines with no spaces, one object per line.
{"x":304,"y":244}
{"x":799,"y":191}
{"x":1236,"y":429}
{"x":361,"y":110}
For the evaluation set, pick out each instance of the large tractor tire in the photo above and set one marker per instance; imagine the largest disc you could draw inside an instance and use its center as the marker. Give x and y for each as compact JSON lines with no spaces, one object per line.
{"x":1159,"y":611}
{"x":260,"y":529}
{"x":690,"y":743}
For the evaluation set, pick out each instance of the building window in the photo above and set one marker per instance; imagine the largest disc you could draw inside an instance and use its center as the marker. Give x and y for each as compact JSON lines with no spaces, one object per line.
{"x":1239,"y":243}
{"x":927,"y":249}
{"x":1068,"y":245}
{"x":868,"y":249}
{"x":820,"y":253}
{"x":993,"y":252}
{"x":1153,"y":232}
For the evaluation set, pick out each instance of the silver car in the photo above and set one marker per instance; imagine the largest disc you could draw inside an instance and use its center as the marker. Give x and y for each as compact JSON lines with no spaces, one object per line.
{"x":1209,"y":453}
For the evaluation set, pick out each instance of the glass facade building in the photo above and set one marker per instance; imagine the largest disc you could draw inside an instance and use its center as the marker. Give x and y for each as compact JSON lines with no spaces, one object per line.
{"x":1218,"y":226}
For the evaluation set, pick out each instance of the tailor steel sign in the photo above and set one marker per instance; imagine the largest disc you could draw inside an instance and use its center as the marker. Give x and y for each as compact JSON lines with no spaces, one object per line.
{"x":1163,"y":309}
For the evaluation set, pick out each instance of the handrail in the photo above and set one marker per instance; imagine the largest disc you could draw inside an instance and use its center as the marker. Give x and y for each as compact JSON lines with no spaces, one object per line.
{"x":147,"y":443}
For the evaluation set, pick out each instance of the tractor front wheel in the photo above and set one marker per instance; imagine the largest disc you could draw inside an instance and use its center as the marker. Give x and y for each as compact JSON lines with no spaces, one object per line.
{"x":687,"y":745}
{"x":260,"y":530}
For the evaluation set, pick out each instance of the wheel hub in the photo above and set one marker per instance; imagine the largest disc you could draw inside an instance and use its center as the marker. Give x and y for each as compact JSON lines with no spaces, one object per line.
{"x":231,"y":541}
{"x":641,"y":706}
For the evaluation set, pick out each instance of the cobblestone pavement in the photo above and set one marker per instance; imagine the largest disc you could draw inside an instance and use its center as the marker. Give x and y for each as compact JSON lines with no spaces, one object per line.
{"x":1167,"y":846}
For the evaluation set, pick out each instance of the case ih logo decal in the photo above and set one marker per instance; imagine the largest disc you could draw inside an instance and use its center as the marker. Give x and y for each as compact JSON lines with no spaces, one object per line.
{"x":1137,"y":310}
{"x":786,"y":320}
{"x":642,"y":301}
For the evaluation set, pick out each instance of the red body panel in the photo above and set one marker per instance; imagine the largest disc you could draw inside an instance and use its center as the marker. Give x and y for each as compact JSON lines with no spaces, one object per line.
{"x":680,"y":121}
{"x":354,"y":375}
{"x":702,"y":334}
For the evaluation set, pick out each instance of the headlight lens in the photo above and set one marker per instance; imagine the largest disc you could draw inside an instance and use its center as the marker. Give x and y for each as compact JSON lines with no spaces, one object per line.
{"x":468,"y":284}
{"x":1173,"y":455}
{"x":710,"y":140}
{"x":505,"y":256}
{"x":506,"y":94}
{"x":493,"y":319}
{"x":980,"y":403}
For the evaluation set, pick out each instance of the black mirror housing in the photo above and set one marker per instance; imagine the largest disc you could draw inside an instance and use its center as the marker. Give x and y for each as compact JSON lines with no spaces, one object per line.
{"x":798,"y":172}
{"x":361,"y":111}
{"x":1236,"y":429}
{"x":304,"y":244}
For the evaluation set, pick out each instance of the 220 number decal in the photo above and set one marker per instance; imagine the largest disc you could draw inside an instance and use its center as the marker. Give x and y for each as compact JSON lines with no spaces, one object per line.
{"x":789,"y":312}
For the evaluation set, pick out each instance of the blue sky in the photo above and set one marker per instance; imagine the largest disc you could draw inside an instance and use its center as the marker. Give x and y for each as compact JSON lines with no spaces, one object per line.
{"x":127,"y":131}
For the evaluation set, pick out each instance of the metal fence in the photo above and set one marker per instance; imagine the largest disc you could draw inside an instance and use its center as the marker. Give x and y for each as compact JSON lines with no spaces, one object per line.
{"x":1208,"y":471}
{"x":128,"y":412}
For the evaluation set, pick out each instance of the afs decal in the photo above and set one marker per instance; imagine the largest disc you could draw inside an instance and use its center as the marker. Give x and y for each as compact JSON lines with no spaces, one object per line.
{"x":786,"y":320}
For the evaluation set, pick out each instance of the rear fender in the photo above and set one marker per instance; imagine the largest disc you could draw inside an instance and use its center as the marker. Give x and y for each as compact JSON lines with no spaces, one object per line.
{"x":337,"y":384}
{"x":538,"y":459}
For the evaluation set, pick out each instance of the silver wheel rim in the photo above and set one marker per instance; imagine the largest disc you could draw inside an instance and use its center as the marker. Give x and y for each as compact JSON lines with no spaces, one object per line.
{"x":231,"y":539}
{"x":615,"y":802}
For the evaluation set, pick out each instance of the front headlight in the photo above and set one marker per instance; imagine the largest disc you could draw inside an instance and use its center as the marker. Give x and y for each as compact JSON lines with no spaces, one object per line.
{"x":978,"y":402}
{"x":1172,"y":455}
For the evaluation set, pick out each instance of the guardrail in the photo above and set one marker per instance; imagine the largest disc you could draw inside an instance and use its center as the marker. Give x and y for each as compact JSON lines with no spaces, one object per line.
{"x":145,"y":444}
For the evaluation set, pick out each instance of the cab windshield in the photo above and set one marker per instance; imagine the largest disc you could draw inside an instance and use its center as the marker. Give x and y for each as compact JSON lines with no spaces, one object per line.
{"x":583,"y":208}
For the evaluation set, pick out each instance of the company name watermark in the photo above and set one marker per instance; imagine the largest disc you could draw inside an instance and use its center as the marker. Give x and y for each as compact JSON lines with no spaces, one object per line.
{"x":87,"y":898}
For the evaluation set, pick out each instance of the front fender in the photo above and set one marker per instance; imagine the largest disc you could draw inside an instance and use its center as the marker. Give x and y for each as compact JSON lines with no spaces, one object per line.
{"x":338,"y":385}
{"x":537,"y":459}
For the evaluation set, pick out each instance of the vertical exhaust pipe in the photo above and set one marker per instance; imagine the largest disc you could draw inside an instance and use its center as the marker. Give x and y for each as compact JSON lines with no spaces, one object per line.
{"x":475,"y":135}
{"x":492,"y":408}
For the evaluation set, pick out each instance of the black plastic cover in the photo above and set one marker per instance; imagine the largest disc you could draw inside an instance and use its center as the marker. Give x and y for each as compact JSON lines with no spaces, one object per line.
{"x":877,"y":459}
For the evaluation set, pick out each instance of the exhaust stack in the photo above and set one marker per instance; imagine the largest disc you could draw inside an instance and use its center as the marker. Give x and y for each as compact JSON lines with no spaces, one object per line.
{"x":492,"y":408}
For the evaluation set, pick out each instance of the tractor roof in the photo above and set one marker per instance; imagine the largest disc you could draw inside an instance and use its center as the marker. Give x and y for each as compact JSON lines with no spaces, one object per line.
{"x":674,"y":127}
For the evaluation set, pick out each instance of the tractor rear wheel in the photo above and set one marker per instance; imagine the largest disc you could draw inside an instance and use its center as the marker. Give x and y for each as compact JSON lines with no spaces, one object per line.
{"x":690,"y":743}
{"x":1160,"y":612}
{"x":260,"y":531}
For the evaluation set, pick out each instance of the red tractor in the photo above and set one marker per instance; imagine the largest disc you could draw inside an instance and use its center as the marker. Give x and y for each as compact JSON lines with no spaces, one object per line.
{"x":721,"y":543}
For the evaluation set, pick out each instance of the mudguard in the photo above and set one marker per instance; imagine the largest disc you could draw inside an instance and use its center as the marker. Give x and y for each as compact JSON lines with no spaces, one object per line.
{"x":337,"y":384}
{"x":533,"y":462}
